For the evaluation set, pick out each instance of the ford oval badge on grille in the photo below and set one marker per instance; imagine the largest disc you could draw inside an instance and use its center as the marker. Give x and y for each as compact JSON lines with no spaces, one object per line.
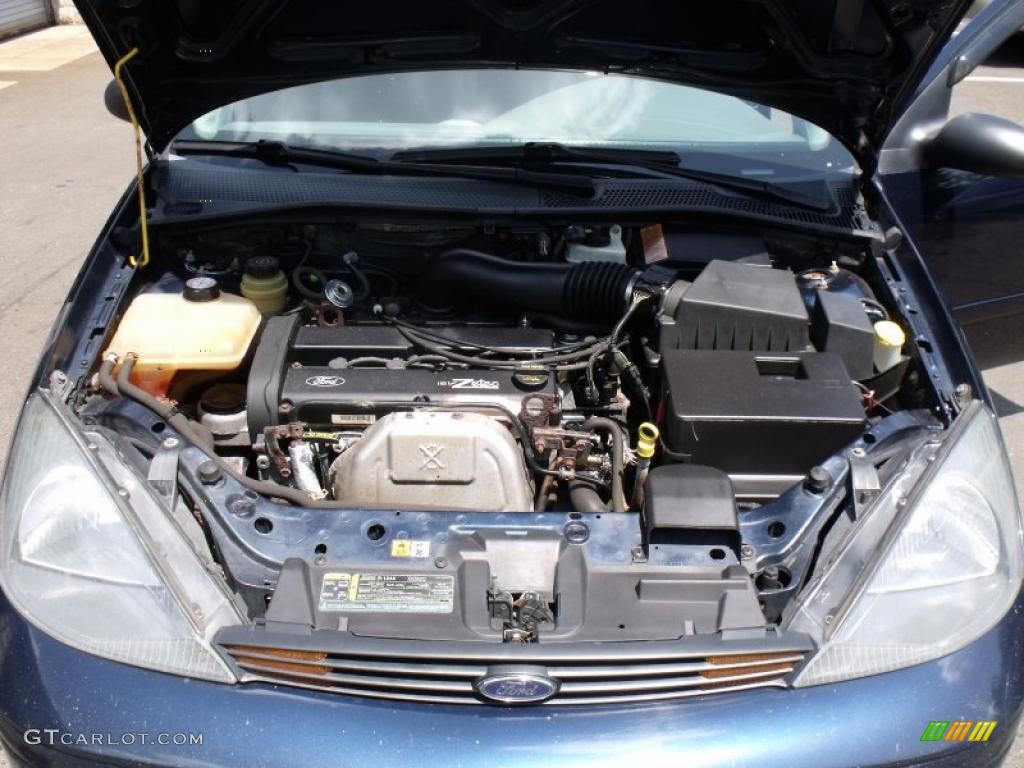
{"x":509,"y":686}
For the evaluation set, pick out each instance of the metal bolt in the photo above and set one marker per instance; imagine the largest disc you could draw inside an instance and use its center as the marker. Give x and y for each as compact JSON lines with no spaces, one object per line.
{"x":209,"y":473}
{"x":576,"y":532}
{"x":534,"y":407}
{"x":123,"y":493}
{"x":746,"y":551}
{"x":263,"y":462}
{"x":818,"y":480}
{"x":242,"y":508}
{"x":858,"y":453}
{"x":963,"y":392}
{"x":170,"y":443}
{"x":440,"y":562}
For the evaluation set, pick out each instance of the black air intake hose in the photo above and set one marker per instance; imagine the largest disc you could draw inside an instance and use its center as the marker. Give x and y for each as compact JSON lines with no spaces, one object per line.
{"x":589,"y":291}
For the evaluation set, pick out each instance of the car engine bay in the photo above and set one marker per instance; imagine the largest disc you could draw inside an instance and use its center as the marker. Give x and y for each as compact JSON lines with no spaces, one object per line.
{"x":532,"y":433}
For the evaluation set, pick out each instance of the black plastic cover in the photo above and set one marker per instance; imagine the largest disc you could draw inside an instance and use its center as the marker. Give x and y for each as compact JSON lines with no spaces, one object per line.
{"x":758,"y":413}
{"x":839,"y":324}
{"x":689,"y":504}
{"x":601,"y":591}
{"x":737,"y":306}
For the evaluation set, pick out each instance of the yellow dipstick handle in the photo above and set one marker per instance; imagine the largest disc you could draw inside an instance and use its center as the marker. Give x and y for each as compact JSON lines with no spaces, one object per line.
{"x":138,"y":158}
{"x":647,"y":440}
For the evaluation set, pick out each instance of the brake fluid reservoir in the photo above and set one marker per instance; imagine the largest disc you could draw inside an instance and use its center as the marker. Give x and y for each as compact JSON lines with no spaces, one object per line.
{"x":200,"y":329}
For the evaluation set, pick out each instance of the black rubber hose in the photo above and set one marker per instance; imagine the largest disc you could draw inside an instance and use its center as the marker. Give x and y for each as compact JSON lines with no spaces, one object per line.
{"x":364,"y":282}
{"x":168,"y":413}
{"x":299,"y":282}
{"x":589,"y":291}
{"x":585,"y":498}
{"x":617,"y":444}
{"x":180,"y":422}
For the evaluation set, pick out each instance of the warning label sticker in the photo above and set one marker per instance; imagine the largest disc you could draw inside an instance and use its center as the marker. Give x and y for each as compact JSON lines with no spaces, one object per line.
{"x":387,"y":592}
{"x":410,"y":548}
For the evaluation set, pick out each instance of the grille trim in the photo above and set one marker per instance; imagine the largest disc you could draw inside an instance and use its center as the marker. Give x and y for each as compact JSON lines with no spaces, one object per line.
{"x":448,"y":678}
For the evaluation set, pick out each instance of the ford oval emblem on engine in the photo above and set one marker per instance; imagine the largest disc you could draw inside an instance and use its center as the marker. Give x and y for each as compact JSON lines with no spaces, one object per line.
{"x":325,"y":381}
{"x":516,"y":687}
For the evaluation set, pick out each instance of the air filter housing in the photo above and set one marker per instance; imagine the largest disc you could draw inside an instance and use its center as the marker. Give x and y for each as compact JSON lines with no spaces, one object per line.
{"x":736,"y":306}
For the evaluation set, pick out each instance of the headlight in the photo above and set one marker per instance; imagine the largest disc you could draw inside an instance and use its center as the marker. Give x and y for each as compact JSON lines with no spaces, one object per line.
{"x":946,"y":571}
{"x":111,"y":579}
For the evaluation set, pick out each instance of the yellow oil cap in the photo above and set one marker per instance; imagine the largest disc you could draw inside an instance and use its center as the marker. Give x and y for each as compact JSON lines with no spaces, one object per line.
{"x":647,"y":440}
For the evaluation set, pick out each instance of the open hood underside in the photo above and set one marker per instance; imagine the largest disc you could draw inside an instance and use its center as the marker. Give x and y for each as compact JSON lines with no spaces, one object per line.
{"x":846,"y":65}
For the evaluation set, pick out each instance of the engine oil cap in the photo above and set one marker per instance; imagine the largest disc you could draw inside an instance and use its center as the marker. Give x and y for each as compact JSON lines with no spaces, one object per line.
{"x":201,"y":289}
{"x":531,"y":377}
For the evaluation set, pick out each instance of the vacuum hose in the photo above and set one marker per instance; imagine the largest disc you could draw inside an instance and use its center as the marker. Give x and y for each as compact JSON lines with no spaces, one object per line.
{"x":616,"y":442}
{"x":597,"y":291}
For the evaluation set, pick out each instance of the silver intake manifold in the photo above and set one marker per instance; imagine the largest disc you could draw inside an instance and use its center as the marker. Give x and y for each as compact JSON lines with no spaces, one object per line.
{"x":441,"y":459}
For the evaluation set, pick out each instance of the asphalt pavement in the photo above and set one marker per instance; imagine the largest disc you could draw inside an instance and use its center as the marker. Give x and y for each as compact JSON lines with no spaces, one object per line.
{"x":64,"y":162}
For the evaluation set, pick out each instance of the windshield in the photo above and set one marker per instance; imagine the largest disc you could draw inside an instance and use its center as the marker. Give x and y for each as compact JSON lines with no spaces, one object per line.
{"x":381,"y":114}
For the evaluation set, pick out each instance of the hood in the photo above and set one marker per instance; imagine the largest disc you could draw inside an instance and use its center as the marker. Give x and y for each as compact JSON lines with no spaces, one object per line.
{"x":846,"y":65}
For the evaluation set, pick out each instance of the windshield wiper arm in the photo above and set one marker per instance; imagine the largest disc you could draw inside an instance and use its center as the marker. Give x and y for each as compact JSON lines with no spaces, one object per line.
{"x":813,"y":193}
{"x":278,"y":153}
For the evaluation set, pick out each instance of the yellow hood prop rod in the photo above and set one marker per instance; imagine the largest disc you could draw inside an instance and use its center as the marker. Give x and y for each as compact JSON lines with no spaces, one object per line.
{"x":118,"y":67}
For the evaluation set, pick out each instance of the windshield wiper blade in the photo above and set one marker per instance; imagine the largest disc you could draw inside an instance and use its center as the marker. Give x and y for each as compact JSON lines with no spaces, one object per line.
{"x":537,"y":152}
{"x":279,"y":153}
{"x":812,"y":193}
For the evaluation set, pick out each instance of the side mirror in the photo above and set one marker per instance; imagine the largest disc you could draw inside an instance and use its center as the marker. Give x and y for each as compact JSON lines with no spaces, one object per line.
{"x":114,"y":101}
{"x":978,"y":143}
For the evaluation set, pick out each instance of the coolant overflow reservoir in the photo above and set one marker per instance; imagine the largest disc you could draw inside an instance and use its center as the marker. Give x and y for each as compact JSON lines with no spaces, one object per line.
{"x":200,"y":329}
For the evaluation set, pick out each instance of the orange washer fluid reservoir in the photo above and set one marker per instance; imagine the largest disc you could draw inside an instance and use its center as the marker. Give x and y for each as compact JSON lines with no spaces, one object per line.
{"x":200,"y":329}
